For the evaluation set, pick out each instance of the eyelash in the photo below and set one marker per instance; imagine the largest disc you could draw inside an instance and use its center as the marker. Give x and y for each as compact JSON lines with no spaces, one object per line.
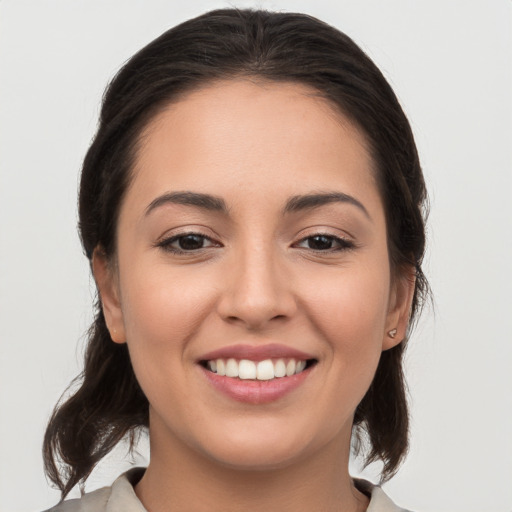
{"x":166,"y":244}
{"x":342,"y":243}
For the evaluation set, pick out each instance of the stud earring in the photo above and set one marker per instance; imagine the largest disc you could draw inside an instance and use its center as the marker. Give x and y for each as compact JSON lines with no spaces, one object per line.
{"x":392,"y":333}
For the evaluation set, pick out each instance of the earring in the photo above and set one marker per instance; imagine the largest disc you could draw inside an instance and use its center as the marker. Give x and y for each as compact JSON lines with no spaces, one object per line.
{"x":392,"y":333}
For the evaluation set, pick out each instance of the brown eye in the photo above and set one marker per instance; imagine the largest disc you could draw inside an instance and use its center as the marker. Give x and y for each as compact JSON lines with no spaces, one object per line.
{"x":187,"y":242}
{"x":325,"y":243}
{"x":190,"y":242}
{"x":320,"y":242}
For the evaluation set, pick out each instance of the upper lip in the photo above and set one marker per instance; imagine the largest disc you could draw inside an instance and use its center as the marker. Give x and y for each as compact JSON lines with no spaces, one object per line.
{"x":256,"y":352}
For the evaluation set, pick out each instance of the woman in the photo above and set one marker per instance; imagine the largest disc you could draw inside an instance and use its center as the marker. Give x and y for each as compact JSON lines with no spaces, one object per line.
{"x":252,"y":210}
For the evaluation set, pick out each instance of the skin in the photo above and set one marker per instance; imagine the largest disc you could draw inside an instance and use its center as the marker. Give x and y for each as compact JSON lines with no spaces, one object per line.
{"x":256,"y":280}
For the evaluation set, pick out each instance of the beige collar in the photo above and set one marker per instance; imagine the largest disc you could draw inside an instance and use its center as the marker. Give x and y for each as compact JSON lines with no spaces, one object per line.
{"x":121,"y":497}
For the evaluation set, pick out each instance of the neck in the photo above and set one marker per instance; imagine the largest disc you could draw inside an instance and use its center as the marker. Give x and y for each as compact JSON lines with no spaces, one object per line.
{"x":179,"y":478}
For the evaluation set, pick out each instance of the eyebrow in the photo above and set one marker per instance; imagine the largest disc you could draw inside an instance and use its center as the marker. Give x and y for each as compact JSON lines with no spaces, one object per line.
{"x":214,"y":203}
{"x":204,"y":201}
{"x":305,"y":202}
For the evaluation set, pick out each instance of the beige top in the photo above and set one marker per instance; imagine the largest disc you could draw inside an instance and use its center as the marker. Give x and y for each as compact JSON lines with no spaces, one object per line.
{"x":121,"y":497}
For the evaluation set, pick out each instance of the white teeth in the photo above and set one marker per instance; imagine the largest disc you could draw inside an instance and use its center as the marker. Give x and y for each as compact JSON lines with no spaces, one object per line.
{"x":300,"y":366}
{"x":279,"y":368}
{"x":265,"y":370}
{"x":221,"y":367}
{"x":231,"y":368}
{"x":290,"y":368}
{"x":246,"y":369}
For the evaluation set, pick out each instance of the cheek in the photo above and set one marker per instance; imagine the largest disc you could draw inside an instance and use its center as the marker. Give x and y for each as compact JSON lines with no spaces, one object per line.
{"x":161,"y":311}
{"x":349,"y":313}
{"x":161,"y":314}
{"x":161,"y":305}
{"x":349,"y":309}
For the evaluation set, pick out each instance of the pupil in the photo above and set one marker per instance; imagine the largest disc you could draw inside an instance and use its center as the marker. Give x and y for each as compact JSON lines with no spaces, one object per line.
{"x":320,"y":242}
{"x":191,"y":242}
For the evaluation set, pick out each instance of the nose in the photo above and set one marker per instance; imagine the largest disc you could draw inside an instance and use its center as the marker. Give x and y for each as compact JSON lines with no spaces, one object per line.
{"x":257,"y":291}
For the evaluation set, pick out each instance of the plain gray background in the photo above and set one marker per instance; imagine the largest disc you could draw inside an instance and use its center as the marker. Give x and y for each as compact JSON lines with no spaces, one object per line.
{"x":449,"y":62}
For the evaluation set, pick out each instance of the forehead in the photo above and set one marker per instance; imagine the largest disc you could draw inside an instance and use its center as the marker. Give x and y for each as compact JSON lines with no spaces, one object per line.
{"x":254,"y":107}
{"x":249,"y":136}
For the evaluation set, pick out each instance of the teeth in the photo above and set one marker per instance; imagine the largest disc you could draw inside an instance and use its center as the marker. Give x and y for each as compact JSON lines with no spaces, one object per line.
{"x":250,"y":370}
{"x":247,"y":369}
{"x":265,"y":370}
{"x":300,"y":366}
{"x":279,"y":368}
{"x":231,"y":368}
{"x":290,"y":367}
{"x":221,"y":367}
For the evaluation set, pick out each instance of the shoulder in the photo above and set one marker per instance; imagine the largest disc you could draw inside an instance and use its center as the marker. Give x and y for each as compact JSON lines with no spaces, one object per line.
{"x":119,"y":496}
{"x":92,"y":501}
{"x":379,"y":500}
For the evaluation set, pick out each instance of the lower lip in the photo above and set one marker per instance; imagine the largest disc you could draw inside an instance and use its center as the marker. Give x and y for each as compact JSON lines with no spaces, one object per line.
{"x":256,"y":391}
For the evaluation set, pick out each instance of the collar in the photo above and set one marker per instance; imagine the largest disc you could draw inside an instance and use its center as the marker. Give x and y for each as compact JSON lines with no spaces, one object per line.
{"x":123,"y":495}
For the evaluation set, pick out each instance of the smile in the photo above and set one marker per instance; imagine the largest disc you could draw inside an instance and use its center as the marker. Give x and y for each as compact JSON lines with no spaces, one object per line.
{"x":268,"y":369}
{"x":257,"y":374}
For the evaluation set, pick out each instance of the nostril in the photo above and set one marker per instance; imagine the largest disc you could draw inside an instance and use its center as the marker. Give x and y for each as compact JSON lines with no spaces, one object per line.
{"x":254,"y":300}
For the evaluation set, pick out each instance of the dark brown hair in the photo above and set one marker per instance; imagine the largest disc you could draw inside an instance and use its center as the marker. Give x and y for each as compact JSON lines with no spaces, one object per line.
{"x":109,"y":404}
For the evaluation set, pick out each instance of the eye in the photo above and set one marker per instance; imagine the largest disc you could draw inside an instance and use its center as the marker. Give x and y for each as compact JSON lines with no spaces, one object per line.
{"x":322,"y":242}
{"x":186,"y":242}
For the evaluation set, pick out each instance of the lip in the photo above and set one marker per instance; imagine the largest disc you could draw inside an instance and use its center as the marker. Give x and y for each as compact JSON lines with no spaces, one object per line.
{"x":256,"y":391}
{"x":256,"y":353}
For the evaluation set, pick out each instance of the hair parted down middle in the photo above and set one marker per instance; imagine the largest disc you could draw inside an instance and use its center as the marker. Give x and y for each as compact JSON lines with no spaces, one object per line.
{"x":109,"y":405}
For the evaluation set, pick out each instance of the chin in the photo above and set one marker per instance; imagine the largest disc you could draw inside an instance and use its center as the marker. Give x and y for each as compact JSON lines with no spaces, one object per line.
{"x":264,"y":447}
{"x":255,"y":458}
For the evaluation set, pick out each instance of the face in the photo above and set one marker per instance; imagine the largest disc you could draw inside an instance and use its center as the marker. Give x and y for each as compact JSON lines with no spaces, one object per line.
{"x":252,"y":242}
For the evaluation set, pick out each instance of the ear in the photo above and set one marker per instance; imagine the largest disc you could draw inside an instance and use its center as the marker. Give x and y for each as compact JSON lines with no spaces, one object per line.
{"x":107,"y":283}
{"x":400,"y":301}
